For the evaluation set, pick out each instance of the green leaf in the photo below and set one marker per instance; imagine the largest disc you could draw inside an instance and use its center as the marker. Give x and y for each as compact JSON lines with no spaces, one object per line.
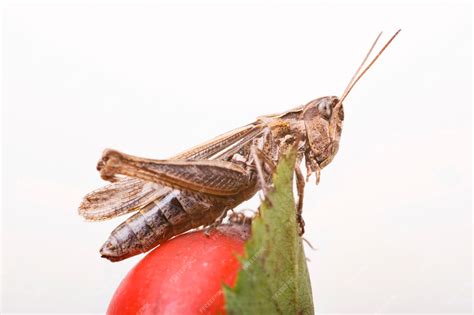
{"x":274,"y":277}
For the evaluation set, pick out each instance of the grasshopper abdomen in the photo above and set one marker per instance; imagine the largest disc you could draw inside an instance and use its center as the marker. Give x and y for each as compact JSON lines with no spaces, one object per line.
{"x":177,"y":212}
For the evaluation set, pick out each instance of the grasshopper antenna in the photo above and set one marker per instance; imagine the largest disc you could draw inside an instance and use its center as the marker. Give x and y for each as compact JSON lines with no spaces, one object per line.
{"x":356,"y":77}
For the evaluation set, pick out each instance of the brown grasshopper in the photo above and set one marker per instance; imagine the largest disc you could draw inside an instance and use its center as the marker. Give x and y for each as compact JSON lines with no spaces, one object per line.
{"x":198,"y":187}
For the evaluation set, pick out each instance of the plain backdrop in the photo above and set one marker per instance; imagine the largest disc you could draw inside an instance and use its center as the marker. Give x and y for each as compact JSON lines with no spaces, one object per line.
{"x":391,"y":219}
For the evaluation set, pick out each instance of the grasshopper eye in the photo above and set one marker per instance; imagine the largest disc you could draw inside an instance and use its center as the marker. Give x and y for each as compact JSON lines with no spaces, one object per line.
{"x":325,"y":110}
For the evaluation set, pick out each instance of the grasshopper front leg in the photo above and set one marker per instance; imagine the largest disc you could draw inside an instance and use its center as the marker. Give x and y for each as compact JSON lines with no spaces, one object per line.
{"x":300,"y":183}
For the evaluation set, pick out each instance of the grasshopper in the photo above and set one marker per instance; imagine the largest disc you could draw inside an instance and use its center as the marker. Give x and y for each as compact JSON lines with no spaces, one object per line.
{"x":198,"y":186}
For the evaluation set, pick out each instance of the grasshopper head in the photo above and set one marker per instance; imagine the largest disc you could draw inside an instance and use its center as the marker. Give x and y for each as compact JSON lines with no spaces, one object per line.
{"x":323,"y":123}
{"x":323,"y":119}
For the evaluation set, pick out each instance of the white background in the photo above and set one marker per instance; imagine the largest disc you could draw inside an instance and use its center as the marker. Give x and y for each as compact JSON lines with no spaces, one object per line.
{"x":391,"y":219}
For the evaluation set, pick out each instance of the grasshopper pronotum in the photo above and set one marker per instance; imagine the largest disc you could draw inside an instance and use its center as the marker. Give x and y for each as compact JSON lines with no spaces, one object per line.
{"x":196,"y":187}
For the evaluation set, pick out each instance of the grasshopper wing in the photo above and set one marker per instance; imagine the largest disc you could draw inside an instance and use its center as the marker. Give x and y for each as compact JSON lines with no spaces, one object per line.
{"x":118,"y":198}
{"x":219,"y":147}
{"x":132,"y":194}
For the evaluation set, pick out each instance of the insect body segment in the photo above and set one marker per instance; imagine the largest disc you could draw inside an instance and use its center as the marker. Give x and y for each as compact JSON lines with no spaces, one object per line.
{"x":158,"y":221}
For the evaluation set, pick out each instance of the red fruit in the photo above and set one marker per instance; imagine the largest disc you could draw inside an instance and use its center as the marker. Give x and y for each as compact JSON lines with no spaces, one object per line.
{"x":184,"y":275}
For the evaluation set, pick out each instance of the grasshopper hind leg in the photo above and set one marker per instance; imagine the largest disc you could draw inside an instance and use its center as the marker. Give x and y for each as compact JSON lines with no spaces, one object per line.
{"x":211,"y":227}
